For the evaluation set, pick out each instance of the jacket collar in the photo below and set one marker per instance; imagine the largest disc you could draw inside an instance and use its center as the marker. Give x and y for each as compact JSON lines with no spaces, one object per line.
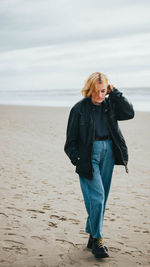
{"x":104,"y":104}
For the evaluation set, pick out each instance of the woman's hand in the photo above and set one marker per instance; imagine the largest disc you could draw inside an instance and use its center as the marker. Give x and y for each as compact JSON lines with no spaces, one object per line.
{"x":110,"y":88}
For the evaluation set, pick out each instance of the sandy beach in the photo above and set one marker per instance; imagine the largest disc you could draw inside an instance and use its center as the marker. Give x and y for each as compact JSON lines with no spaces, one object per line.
{"x":42,"y":213}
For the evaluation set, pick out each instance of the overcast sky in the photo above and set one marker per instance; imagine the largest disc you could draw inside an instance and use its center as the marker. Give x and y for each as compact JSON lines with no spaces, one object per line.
{"x":48,"y":44}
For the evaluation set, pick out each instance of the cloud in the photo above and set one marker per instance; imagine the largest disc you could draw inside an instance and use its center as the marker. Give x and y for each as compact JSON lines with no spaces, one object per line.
{"x":57,"y":44}
{"x":40,"y":23}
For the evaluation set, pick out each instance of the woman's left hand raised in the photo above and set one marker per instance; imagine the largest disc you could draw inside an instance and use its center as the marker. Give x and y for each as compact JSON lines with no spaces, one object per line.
{"x":110,"y":88}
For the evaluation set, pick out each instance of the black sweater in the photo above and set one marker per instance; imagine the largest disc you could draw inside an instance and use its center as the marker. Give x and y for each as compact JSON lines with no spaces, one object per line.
{"x":100,"y":123}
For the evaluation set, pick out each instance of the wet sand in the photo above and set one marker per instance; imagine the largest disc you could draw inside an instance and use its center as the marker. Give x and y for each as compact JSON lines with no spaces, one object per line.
{"x":42,"y":213}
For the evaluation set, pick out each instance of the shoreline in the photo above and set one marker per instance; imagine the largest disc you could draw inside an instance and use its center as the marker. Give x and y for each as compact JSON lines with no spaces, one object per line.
{"x":48,"y":106}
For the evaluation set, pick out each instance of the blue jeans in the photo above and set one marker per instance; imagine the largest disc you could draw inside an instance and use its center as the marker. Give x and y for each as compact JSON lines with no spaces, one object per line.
{"x":95,"y":192}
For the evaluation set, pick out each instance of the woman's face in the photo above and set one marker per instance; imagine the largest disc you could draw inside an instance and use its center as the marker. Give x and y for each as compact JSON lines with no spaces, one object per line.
{"x":99,"y":96}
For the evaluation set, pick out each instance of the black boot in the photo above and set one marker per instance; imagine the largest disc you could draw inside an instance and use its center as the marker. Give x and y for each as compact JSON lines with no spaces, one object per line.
{"x":98,"y":249}
{"x":90,"y":243}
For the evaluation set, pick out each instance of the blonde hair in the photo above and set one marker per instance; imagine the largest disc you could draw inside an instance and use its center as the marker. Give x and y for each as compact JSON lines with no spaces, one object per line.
{"x":91,"y":83}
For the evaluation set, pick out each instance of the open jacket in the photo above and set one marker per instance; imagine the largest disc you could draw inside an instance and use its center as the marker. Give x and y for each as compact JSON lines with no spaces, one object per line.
{"x":81,"y":131}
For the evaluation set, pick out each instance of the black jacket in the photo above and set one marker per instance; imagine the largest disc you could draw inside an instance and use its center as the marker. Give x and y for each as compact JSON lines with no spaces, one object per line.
{"x":81,"y":130}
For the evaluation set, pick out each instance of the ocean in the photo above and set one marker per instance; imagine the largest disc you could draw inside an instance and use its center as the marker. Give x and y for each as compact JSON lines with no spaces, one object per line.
{"x":139,"y":97}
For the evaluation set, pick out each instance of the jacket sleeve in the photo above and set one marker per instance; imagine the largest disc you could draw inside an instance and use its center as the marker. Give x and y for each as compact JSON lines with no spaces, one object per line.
{"x":71,"y":144}
{"x":123,"y":109}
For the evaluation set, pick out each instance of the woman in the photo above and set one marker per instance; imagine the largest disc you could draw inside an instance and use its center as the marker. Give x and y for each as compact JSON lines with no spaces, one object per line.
{"x":94,"y":143}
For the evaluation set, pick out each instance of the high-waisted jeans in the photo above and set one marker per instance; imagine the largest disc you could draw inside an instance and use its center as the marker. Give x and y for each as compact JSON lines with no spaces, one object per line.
{"x":95,"y":192}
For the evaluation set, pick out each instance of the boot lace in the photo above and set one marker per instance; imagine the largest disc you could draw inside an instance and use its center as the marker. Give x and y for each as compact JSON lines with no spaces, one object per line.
{"x":100,"y":242}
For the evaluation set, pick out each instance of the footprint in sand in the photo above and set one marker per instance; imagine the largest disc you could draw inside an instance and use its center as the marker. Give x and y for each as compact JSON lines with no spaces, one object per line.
{"x":18,"y":196}
{"x":51,"y":224}
{"x":63,"y":218}
{"x":60,"y":218}
{"x":34,"y":216}
{"x":12,"y":208}
{"x":82,"y":231}
{"x":15,"y":215}
{"x":114,"y":249}
{"x":66,"y":241}
{"x":16,"y":235}
{"x":120,"y":243}
{"x":46,"y":207}
{"x":124,"y":237}
{"x":37,"y":211}
{"x":16,"y":247}
{"x":2,"y":213}
{"x":138,"y":262}
{"x":130,"y":253}
{"x":13,"y":187}
{"x":112,"y":220}
{"x":40,"y":238}
{"x":74,"y":221}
